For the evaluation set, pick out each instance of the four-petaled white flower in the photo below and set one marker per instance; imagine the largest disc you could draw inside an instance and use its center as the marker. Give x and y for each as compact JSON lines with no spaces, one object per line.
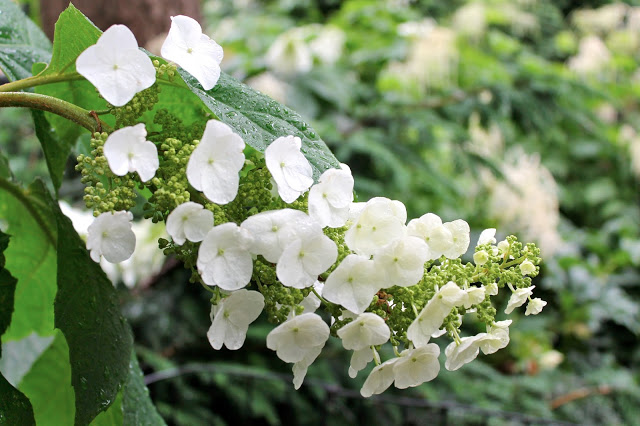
{"x":224,"y":258}
{"x":189,"y":221}
{"x":305,"y":258}
{"x":401,"y":262}
{"x":488,"y":236}
{"x":330,"y":198}
{"x":527,"y":267}
{"x":380,"y":222}
{"x":352,"y":284}
{"x":416,"y":366}
{"x":127,"y":150}
{"x":299,"y":340}
{"x":366,"y":330}
{"x":534,"y":307}
{"x":463,"y":353}
{"x":214,"y":165}
{"x":195,"y":52}
{"x":518,"y":298}
{"x":496,"y":338}
{"x":429,"y":227}
{"x":290,"y":169}
{"x":116,"y":66}
{"x":379,"y":379}
{"x":110,"y":235}
{"x":231,"y":318}
{"x":460,"y":233}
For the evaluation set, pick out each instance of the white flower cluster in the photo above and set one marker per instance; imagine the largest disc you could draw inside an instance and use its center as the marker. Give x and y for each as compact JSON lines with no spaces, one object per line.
{"x":381,"y":250}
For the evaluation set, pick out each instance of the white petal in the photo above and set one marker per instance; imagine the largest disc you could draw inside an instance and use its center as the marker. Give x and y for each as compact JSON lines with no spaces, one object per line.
{"x":460,"y":232}
{"x":359,"y":360}
{"x":488,"y":236}
{"x":294,"y":338}
{"x":290,"y":169}
{"x":401,"y":262}
{"x":110,"y":235}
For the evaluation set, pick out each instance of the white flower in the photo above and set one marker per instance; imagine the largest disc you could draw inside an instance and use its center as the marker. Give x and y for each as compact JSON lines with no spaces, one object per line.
{"x":189,"y":221}
{"x":416,"y":366}
{"x":429,"y":228}
{"x":232,"y":316}
{"x":527,"y":267}
{"x":496,"y":338}
{"x":330,"y":198}
{"x":465,"y":352}
{"x":460,"y":232}
{"x":327,"y":46}
{"x":518,"y":298}
{"x":214,"y":165}
{"x":366,"y":330}
{"x":481,"y":257}
{"x":380,"y":222}
{"x":352,"y":284}
{"x":127,"y":150}
{"x":473,"y":296}
{"x":295,"y":338}
{"x":224,"y":259}
{"x":435,"y":311}
{"x":488,"y":236}
{"x":401,"y":262}
{"x":274,"y":230}
{"x":305,"y":258}
{"x":289,"y":167}
{"x":195,"y":52}
{"x":116,"y":67}
{"x":534,"y":307}
{"x":379,"y":379}
{"x":110,"y":235}
{"x":289,"y":54}
{"x":492,"y":289}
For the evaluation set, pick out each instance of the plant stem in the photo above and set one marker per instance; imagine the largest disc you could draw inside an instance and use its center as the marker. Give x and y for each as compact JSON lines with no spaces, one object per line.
{"x":28,"y":82}
{"x":54,"y":105}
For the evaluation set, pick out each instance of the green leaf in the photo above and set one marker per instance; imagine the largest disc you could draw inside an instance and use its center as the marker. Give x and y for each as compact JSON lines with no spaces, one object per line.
{"x":31,"y":258}
{"x":137,"y":406}
{"x":259,"y":119}
{"x":21,"y":42}
{"x":5,"y":171}
{"x":15,"y":408}
{"x":88,"y":313}
{"x":55,"y":151}
{"x":48,"y":385}
{"x":112,"y":416}
{"x":73,"y":34}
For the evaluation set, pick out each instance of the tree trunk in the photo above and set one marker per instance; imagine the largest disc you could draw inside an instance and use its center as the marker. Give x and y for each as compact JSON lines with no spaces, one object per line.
{"x":146,"y":18}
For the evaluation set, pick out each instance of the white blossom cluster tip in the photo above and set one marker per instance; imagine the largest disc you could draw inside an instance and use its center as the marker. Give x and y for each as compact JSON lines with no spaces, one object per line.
{"x":117,"y":67}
